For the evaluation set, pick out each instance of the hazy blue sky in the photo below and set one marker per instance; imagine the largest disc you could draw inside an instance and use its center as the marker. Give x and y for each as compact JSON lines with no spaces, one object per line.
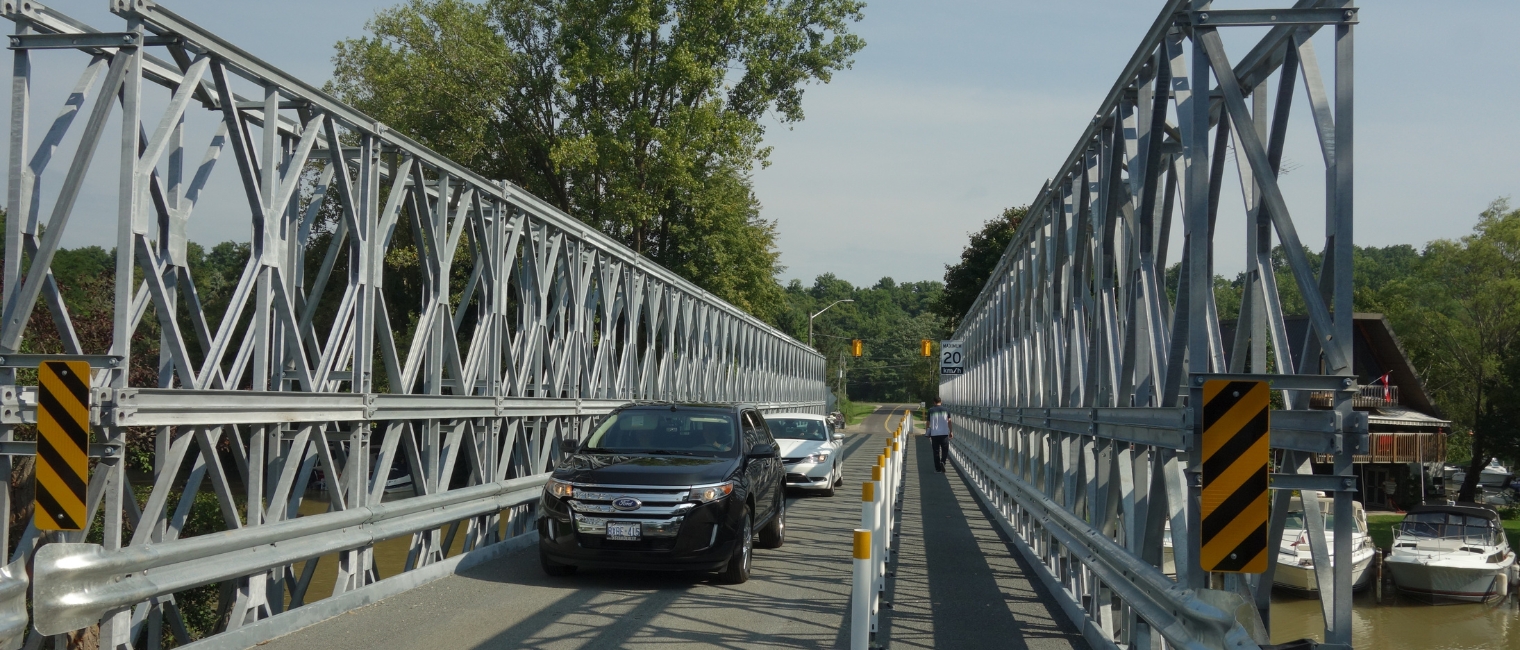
{"x":956,"y":110}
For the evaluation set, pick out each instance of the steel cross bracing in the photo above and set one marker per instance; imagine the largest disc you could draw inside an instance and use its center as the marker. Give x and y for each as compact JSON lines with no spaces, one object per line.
{"x":1074,"y":415}
{"x":557,"y":324}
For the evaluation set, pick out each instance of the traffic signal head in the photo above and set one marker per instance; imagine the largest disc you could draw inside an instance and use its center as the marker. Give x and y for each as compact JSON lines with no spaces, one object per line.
{"x":928,"y":347}
{"x":855,"y":347}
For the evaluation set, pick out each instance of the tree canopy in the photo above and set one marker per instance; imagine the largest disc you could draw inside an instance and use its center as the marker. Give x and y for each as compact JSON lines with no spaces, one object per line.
{"x":642,"y":119}
{"x":964,"y":279}
{"x":1458,"y":313}
{"x":890,"y":319}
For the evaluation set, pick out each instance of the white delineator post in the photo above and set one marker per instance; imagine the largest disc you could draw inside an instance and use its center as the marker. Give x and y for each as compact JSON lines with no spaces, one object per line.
{"x":861,"y":594}
{"x":879,"y":475}
{"x":870,"y":519}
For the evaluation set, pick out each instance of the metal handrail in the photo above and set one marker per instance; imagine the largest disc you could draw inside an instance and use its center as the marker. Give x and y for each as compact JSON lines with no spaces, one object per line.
{"x":77,"y":584}
{"x":1174,"y":611}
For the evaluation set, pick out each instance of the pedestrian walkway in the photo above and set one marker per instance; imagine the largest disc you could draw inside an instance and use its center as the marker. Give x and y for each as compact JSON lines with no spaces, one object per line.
{"x":960,"y":583}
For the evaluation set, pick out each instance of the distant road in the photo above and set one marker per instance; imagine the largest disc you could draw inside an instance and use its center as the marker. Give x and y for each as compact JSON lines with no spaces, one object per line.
{"x":884,"y":419}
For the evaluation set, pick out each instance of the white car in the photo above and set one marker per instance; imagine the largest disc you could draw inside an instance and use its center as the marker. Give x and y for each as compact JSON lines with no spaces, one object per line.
{"x":810,"y":452}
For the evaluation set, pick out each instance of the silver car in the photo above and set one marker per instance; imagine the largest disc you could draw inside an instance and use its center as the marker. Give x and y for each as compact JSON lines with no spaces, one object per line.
{"x":810,"y":451}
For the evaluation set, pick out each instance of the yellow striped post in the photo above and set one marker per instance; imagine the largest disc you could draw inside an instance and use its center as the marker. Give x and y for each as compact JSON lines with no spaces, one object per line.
{"x":861,"y":593}
{"x":63,"y":445}
{"x":1235,"y":483}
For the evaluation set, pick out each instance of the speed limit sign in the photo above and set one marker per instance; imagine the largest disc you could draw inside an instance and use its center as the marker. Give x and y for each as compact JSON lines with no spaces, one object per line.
{"x":951,"y":361}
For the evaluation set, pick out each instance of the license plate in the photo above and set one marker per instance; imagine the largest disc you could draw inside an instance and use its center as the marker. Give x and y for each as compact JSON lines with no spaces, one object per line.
{"x":624,"y":530}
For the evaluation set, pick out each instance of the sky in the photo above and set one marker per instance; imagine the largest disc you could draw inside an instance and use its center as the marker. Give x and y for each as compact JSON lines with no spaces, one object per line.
{"x":957,"y":109}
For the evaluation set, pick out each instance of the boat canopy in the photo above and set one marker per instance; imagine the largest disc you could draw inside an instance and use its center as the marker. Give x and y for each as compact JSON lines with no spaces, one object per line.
{"x":1444,"y":523}
{"x":1470,"y":510}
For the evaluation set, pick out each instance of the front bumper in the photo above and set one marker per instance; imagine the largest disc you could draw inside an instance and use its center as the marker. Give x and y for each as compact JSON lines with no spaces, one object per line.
{"x":810,"y":476}
{"x":698,"y":538}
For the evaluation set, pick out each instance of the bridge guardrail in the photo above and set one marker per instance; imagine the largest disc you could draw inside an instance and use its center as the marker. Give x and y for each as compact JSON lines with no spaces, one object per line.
{"x":1181,"y":617}
{"x":78,"y":583}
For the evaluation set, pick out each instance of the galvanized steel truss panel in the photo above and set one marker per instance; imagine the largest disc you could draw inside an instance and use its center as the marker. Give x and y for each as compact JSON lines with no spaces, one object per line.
{"x":1075,"y":413}
{"x":557,"y":324}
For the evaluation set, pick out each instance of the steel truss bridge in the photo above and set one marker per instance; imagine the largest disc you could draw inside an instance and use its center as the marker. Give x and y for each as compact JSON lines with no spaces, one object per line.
{"x":1084,"y":374}
{"x":556,"y":325}
{"x":1079,"y":409}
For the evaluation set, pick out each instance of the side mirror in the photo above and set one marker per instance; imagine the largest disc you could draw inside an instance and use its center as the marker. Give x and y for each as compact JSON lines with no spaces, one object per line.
{"x":569,"y":446}
{"x":837,"y":437}
{"x":762,"y":450}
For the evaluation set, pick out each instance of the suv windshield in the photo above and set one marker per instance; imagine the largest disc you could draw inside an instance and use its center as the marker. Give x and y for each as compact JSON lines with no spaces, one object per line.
{"x":665,"y":432}
{"x":797,"y":429}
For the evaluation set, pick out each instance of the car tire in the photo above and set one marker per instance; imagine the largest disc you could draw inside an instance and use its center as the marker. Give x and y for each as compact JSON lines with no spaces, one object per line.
{"x":833,"y":483}
{"x":737,"y":572}
{"x":553,"y":568}
{"x":774,"y":533}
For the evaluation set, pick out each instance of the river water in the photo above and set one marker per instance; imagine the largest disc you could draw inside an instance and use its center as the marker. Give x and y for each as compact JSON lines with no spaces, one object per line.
{"x":1403,"y":623}
{"x":390,"y":554}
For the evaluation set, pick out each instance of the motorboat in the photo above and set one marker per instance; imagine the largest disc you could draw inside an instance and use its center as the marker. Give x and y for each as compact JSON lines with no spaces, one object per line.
{"x":1449,"y":472}
{"x":1495,"y":475}
{"x":1451,"y":553}
{"x":399,"y":478}
{"x":1295,"y":559}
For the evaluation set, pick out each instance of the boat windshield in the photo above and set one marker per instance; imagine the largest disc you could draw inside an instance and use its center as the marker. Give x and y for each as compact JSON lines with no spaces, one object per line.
{"x":1446,"y":525}
{"x":1295,"y":521}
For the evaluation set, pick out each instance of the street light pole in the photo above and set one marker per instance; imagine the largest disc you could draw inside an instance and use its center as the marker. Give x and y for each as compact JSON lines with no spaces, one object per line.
{"x":810,"y":318}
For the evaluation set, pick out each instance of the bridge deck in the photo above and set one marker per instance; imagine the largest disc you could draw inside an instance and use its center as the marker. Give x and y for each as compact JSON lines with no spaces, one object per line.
{"x":957,"y":586}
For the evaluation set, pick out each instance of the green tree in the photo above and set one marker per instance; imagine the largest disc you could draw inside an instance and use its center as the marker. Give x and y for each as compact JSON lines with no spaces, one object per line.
{"x":964,"y":279}
{"x":890,"y":318}
{"x":642,"y":119}
{"x":1459,"y":314}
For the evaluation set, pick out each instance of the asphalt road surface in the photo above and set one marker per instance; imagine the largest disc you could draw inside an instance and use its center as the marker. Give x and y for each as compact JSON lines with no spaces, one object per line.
{"x":797,"y":596}
{"x":882,"y":420}
{"x":948,"y":594}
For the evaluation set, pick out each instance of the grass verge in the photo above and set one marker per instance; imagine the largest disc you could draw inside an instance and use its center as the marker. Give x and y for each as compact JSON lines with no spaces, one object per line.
{"x":1381,"y":528}
{"x":854,"y":412}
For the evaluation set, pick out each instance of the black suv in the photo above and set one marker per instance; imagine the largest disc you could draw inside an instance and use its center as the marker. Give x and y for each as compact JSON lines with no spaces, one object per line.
{"x":666,"y":486}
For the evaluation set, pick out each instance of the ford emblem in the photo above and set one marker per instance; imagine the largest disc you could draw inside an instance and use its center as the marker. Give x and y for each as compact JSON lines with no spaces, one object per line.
{"x":626,"y":503}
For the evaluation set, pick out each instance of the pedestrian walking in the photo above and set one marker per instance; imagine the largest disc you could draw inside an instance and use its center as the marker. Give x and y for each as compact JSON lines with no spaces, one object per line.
{"x":940,"y":432}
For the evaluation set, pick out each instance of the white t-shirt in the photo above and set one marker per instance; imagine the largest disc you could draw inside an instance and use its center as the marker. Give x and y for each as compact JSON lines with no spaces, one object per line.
{"x":939,"y":421}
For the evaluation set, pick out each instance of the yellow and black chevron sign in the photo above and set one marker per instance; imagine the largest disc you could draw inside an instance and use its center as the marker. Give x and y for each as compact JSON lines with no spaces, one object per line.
{"x":1234,"y":513}
{"x":63,"y":444}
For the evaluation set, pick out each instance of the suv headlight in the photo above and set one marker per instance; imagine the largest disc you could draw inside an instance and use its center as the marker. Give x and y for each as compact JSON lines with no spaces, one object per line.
{"x":559,"y":489}
{"x":711,"y":493}
{"x":816,"y":458}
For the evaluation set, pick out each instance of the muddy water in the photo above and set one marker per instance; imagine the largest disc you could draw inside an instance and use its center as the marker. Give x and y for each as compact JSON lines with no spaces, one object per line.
{"x":1403,"y":623}
{"x":390,"y":554}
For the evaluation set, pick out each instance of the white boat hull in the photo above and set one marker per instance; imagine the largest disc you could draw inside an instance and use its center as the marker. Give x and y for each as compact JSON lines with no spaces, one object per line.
{"x":1436,"y":582}
{"x":1486,"y":478}
{"x":1301,"y":578}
